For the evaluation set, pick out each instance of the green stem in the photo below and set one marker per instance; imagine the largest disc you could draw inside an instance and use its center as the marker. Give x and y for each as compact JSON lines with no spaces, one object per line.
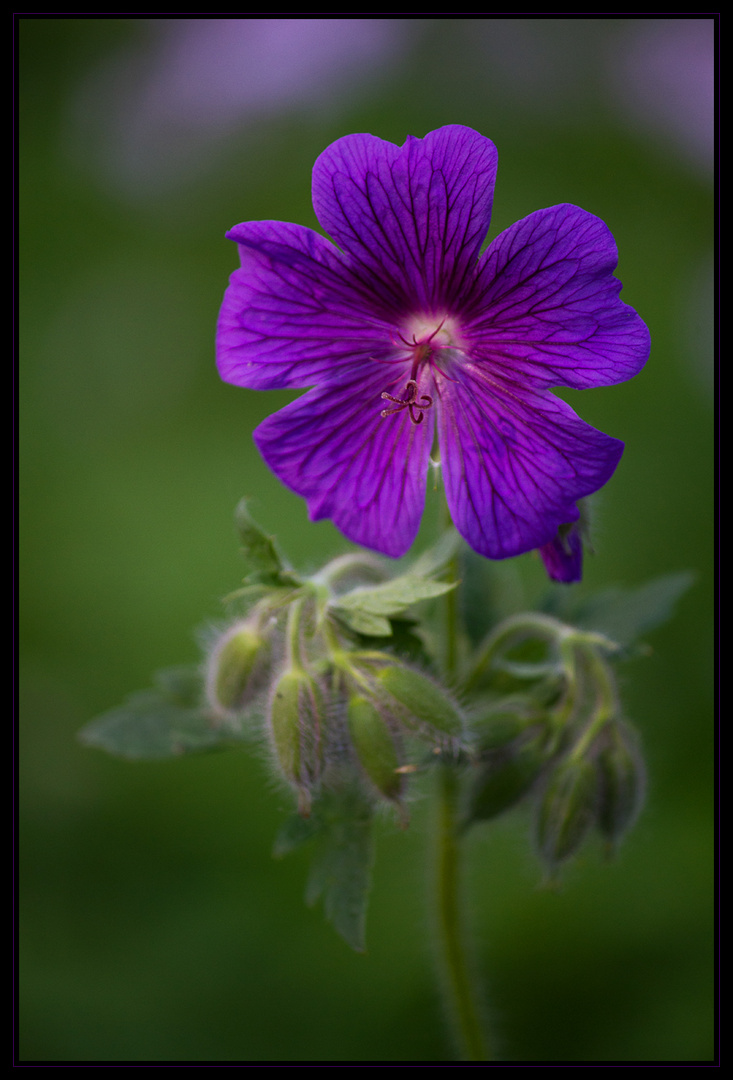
{"x":458,"y":979}
{"x":459,"y":983}
{"x":292,"y":636}
{"x":606,"y":704}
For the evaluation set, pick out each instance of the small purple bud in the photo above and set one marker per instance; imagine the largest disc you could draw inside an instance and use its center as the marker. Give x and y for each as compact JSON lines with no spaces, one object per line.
{"x":563,"y":556}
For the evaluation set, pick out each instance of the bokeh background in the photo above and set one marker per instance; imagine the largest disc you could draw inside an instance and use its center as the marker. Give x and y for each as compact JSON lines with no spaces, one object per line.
{"x":154,"y":923}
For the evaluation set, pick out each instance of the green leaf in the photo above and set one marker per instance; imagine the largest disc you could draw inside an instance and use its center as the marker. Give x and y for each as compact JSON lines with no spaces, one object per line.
{"x":264,"y":563}
{"x":624,"y":615}
{"x":180,"y":685}
{"x":405,"y":643}
{"x":162,"y":723}
{"x":341,"y":821}
{"x":367,"y":610}
{"x":364,"y":623}
{"x":436,"y":558}
{"x":294,"y":833}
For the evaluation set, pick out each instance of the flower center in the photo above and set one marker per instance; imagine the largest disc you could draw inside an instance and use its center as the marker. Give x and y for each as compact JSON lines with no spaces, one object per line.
{"x":423,"y":337}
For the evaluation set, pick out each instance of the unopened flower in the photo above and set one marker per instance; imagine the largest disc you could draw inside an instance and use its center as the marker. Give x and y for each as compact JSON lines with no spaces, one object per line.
{"x":404,"y":329}
{"x":563,"y":556}
{"x":237,"y":667}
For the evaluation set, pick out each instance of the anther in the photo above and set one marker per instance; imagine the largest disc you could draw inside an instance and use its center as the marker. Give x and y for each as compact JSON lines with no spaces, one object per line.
{"x":410,"y":402}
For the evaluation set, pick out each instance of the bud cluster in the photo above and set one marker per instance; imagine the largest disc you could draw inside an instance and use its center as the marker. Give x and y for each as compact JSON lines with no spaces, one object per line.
{"x":329,"y":703}
{"x":560,"y":738}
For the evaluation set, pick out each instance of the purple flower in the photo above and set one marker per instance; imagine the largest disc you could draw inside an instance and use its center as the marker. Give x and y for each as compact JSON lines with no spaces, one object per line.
{"x":403,"y":329}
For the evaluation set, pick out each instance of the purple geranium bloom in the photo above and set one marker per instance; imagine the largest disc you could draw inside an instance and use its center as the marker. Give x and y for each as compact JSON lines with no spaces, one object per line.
{"x":403,"y":329}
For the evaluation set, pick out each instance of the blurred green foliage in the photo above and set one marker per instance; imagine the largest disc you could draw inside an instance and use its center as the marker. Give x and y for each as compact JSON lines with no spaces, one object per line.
{"x":154,"y":923}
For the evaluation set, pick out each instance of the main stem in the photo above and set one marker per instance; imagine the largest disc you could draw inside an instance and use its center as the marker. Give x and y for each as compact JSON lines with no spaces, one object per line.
{"x":459,"y":984}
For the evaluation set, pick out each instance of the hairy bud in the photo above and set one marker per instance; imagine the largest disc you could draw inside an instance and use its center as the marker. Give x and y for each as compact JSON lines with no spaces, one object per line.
{"x":506,"y":775}
{"x":622,"y":780}
{"x":236,"y":668}
{"x":375,"y":746}
{"x":297,"y":722}
{"x":567,"y":810}
{"x":423,"y":698}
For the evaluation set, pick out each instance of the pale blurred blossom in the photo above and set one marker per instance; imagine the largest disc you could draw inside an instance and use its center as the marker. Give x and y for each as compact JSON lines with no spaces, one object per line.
{"x":156,"y":113}
{"x":662,"y":75}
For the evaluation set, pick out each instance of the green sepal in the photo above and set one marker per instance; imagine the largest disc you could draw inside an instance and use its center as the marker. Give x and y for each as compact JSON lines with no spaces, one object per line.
{"x":160,"y":723}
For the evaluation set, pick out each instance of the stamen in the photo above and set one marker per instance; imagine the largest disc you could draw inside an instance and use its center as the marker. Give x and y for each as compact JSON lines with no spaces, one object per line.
{"x":410,"y":403}
{"x":423,"y":354}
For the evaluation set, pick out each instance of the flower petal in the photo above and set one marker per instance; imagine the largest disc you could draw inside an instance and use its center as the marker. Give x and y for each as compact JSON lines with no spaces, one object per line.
{"x":293,"y":314}
{"x":413,"y":216}
{"x":366,"y":472}
{"x":545,"y":304}
{"x":515,"y":463}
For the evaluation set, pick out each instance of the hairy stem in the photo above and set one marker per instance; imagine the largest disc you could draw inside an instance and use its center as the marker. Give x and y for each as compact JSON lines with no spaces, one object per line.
{"x":458,"y":981}
{"x":459,"y":985}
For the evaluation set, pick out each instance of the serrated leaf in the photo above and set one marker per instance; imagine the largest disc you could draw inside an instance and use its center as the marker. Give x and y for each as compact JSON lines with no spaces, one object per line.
{"x":180,"y":685}
{"x":340,"y":873}
{"x":437,"y":557}
{"x":624,"y":615}
{"x":149,"y":727}
{"x":263,"y":560}
{"x":294,"y":833}
{"x":161,"y":723}
{"x":364,"y":623}
{"x":366,"y":610}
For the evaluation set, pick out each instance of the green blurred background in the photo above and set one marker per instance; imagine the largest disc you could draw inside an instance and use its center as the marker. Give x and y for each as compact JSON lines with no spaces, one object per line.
{"x":154,"y":923}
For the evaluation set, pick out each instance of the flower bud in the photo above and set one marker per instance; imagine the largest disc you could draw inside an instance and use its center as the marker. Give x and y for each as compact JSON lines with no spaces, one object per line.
{"x":375,"y":746}
{"x":424,"y":699}
{"x":297,"y":718}
{"x":236,"y":668}
{"x":499,"y":729}
{"x":622,"y":779}
{"x":506,"y":775}
{"x":567,"y":810}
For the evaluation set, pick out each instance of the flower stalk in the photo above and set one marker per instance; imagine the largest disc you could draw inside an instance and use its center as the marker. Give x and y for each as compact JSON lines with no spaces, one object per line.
{"x":459,"y":981}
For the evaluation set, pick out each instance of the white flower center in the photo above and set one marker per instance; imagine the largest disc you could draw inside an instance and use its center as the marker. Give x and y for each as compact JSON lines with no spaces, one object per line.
{"x":428,"y":340}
